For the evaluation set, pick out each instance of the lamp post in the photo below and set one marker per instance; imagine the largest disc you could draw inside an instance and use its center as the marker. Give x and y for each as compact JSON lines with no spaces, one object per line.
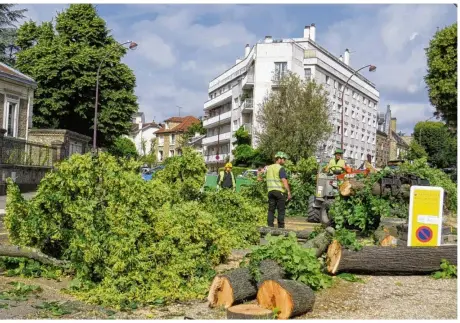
{"x":372,"y":68}
{"x":132,"y":45}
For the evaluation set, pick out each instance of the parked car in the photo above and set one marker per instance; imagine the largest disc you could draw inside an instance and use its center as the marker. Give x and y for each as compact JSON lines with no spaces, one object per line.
{"x":147,"y":172}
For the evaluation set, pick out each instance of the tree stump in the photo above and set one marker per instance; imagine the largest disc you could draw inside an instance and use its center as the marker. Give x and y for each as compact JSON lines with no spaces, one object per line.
{"x":238,"y":285}
{"x":290,"y":297}
{"x":396,"y":261}
{"x":248,"y":312}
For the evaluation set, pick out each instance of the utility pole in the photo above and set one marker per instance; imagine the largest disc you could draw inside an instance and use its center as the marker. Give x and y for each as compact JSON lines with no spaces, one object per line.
{"x":179,"y":109}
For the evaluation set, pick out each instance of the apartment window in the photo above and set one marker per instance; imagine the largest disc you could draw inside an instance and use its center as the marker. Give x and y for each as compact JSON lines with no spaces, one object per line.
{"x":171,"y":153}
{"x":346,"y":110}
{"x":346,"y":132}
{"x":363,"y":119}
{"x":352,"y":134}
{"x":362,"y":137}
{"x":366,"y":101}
{"x":280,"y":70}
{"x":352,"y":113}
{"x":341,"y":87}
{"x":335,"y":84}
{"x":10,"y":123}
{"x":354,"y":95}
{"x":338,"y":129}
{"x":161,"y":141}
{"x":308,"y":74}
{"x":339,"y":108}
{"x":160,"y":155}
{"x":328,"y":80}
{"x":173,"y":139}
{"x":347,"y":91}
{"x":369,"y":121}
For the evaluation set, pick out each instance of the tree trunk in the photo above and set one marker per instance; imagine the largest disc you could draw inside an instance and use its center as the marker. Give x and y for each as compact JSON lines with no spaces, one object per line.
{"x":30,"y":253}
{"x":319,"y":243}
{"x":238,"y":285}
{"x":395,"y":261}
{"x":304,"y":234}
{"x":248,"y":312}
{"x":292,"y":298}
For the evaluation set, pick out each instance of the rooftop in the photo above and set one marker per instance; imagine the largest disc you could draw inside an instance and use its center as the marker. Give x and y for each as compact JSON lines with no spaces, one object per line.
{"x":185,"y":122}
{"x":15,"y":75}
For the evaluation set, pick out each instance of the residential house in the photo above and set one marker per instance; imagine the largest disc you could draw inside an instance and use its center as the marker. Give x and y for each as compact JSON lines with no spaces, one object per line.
{"x":143,"y":134}
{"x":398,"y":147}
{"x":169,"y":136}
{"x":16,"y":101}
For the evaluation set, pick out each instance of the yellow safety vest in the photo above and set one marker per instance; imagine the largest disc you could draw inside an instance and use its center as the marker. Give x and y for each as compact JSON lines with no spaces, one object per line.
{"x":221,"y":178}
{"x":274,"y":182}
{"x":336,"y":164}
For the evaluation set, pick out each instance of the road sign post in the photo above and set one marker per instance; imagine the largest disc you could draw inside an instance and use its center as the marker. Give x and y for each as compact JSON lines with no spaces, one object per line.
{"x":425,"y":216}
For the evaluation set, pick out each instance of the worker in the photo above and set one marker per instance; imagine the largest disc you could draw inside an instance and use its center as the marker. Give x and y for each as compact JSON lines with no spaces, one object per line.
{"x":277,"y":186}
{"x":367,"y":164}
{"x":336,"y":164}
{"x":226,"y":179}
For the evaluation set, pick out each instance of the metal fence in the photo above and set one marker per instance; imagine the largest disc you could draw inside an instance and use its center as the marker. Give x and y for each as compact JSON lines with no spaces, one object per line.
{"x":20,"y":152}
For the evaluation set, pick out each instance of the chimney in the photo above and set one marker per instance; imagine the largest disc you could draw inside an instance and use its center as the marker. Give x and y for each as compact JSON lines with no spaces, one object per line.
{"x":306,"y":32}
{"x":346,"y":57}
{"x":268,"y":39}
{"x":393,"y":124}
{"x":341,"y":58}
{"x":313,"y":32}
{"x":247,"y":49}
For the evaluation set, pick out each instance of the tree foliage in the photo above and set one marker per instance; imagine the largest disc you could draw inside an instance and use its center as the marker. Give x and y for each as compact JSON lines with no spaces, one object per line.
{"x":123,"y":147}
{"x":438,"y":142}
{"x":416,"y":151}
{"x":441,"y":78}
{"x":64,"y":59}
{"x":132,"y":241}
{"x":294,"y":118}
{"x":8,"y":17}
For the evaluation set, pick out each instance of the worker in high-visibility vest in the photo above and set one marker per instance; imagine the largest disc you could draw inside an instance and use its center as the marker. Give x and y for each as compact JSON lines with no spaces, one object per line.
{"x":278,"y":190}
{"x":337,"y":164}
{"x":226,"y":179}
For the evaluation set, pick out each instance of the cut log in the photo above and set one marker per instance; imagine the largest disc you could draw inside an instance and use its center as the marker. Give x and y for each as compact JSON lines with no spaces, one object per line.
{"x":238,"y":285}
{"x":319,"y":243}
{"x":30,"y":253}
{"x":248,"y":312}
{"x":290,"y":297}
{"x":379,"y":261}
{"x":304,"y":234}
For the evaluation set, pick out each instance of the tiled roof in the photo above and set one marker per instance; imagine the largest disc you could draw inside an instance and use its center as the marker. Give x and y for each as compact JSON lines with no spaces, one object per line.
{"x":398,"y":139}
{"x":15,"y":74}
{"x":135,"y":126}
{"x":185,"y":122}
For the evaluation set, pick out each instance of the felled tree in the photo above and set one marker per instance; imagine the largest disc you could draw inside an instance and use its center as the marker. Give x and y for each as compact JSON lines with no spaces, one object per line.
{"x":441,"y":78}
{"x":294,"y":118}
{"x":63,"y":59}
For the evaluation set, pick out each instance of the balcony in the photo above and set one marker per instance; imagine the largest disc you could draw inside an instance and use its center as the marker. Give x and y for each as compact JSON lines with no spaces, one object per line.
{"x":248,"y":80}
{"x":213,"y":158}
{"x":222,"y":138}
{"x":218,"y":120}
{"x":276,"y":78}
{"x":247,"y":106}
{"x":218,"y":100}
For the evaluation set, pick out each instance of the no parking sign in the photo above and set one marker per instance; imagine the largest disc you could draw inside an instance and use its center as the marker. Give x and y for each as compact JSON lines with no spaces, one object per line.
{"x":425,"y":216}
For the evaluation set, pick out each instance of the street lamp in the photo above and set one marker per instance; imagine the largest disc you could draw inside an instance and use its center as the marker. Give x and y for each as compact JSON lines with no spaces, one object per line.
{"x":132,"y":46}
{"x":372,"y":68}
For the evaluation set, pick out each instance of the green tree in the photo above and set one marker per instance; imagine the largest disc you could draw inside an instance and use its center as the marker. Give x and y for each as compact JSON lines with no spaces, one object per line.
{"x":294,"y":118}
{"x":8,"y":18}
{"x":123,"y":147}
{"x":416,"y":151}
{"x":63,"y":59}
{"x":438,"y":142}
{"x":441,"y":78}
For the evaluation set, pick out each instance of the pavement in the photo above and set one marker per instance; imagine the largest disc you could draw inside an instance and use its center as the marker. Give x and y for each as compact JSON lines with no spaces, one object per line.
{"x":27,"y":196}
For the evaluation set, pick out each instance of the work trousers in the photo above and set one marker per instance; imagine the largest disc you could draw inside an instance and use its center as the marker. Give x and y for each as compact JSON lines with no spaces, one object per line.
{"x":276,"y":201}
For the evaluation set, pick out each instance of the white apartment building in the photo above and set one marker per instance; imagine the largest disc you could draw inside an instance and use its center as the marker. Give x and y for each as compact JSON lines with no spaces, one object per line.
{"x":142,"y":134}
{"x":235,"y":96}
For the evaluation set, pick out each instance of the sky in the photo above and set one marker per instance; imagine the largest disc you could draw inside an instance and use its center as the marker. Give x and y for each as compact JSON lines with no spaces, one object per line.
{"x":183,"y":47}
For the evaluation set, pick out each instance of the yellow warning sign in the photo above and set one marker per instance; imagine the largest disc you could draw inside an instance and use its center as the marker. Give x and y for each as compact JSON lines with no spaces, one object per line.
{"x":425,"y":216}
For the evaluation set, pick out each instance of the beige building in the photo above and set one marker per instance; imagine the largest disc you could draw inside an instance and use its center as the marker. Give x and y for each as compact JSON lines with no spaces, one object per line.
{"x":398,"y":147}
{"x":16,"y":102}
{"x":169,"y":136}
{"x":382,"y":149}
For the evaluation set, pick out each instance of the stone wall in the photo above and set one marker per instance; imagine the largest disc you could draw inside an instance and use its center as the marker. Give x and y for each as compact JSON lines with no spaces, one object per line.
{"x":26,"y":177}
{"x":22,"y":125}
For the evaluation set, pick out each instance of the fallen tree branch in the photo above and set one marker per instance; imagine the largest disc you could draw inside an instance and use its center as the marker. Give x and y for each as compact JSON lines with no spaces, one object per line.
{"x":304,"y":234}
{"x":30,"y":253}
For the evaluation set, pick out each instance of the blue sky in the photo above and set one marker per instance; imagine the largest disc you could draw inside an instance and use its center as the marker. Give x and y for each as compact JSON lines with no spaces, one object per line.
{"x":183,"y":47}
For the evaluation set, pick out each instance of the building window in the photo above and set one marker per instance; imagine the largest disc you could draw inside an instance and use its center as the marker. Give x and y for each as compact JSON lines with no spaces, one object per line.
{"x":308,"y":74}
{"x":280,"y":70}
{"x":352,"y":113}
{"x":10,"y":122}
{"x":341,"y":87}
{"x":338,"y":129}
{"x":346,"y":110}
{"x":352,"y":134}
{"x":328,"y":80}
{"x":171,"y":153}
{"x":354,"y":95}
{"x":346,"y":132}
{"x":335,"y":84}
{"x":339,"y":108}
{"x":362,"y":137}
{"x":366,"y":101}
{"x":161,"y":141}
{"x":173,"y":139}
{"x":160,"y":155}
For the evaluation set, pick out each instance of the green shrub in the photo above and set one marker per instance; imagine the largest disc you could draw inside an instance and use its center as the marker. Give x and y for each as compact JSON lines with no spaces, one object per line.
{"x":132,"y":241}
{"x":123,"y":147}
